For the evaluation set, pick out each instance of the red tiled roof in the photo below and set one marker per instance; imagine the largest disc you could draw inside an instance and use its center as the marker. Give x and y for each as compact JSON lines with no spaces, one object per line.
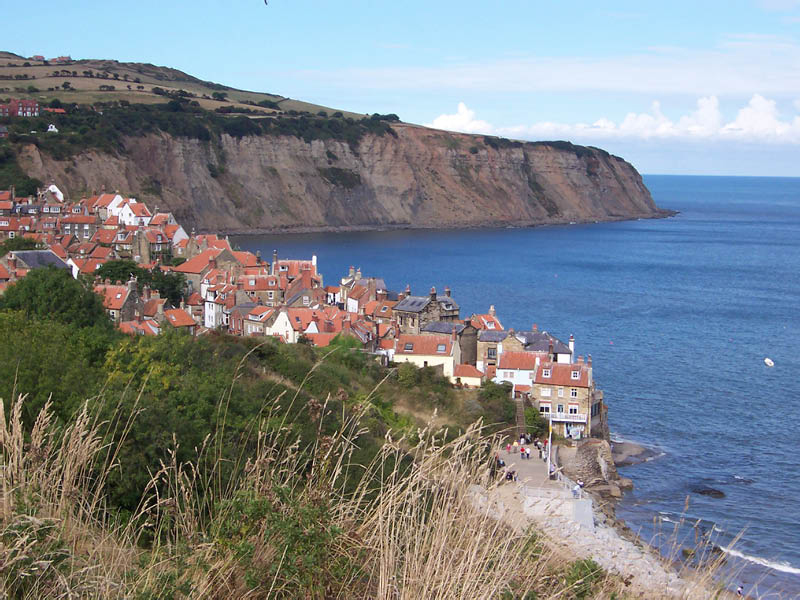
{"x":4,"y":274}
{"x":6,"y":204}
{"x":260,"y":314}
{"x":5,"y":195}
{"x":104,"y":236}
{"x":520,"y":360}
{"x":561,"y":374}
{"x":466,"y":371}
{"x":159,"y":219}
{"x":426,"y":345}
{"x":150,"y":308}
{"x":486,"y":322}
{"x":139,"y":209}
{"x":200,"y":262}
{"x":114,"y":296}
{"x":179,"y":318}
{"x":246,"y":259}
{"x":320,"y":340}
{"x":80,"y":219}
{"x":195,"y":299}
{"x":104,"y":200}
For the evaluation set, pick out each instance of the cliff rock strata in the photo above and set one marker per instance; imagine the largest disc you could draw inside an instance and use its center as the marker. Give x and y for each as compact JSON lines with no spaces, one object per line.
{"x":417,"y":178}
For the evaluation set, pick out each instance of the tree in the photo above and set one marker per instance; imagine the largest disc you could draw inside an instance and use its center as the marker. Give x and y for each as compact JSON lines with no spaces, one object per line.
{"x":52,"y":293}
{"x":66,"y":85}
{"x":221,"y":96}
{"x":55,"y":103}
{"x":17,"y":243}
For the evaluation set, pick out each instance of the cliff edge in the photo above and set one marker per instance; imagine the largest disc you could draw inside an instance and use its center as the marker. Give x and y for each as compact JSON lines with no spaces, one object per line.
{"x":414,"y":178}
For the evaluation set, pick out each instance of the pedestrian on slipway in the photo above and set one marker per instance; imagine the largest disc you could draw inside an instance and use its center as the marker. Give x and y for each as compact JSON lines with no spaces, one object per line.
{"x":522,"y":452}
{"x":528,"y":452}
{"x":521,"y":440}
{"x":508,"y":448}
{"x":515,"y":446}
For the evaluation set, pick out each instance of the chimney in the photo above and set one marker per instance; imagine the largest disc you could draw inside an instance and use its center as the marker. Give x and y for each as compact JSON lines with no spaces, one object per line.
{"x":314,"y":260}
{"x":183,"y":304}
{"x":137,"y":315}
{"x":589,"y":360}
{"x":535,"y":327}
{"x":455,"y":335}
{"x":258,"y":257}
{"x":433,"y":294}
{"x":358,"y":273}
{"x":306,"y":277}
{"x":492,"y":312}
{"x":447,"y":291}
{"x":146,"y":292}
{"x":108,"y":281}
{"x":380,"y":295}
{"x":12,"y":262}
{"x":351,"y":273}
{"x":550,"y":350}
{"x":274,"y":262}
{"x":572,"y":345}
{"x":580,"y":359}
{"x":132,"y":283}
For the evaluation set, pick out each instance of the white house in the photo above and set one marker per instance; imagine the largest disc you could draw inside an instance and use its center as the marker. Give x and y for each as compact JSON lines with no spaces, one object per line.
{"x":134,"y":213}
{"x":518,"y":368}
{"x":429,"y":351}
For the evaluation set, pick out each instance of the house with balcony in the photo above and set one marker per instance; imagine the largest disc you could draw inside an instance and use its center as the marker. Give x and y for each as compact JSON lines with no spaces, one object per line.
{"x":566,"y":394}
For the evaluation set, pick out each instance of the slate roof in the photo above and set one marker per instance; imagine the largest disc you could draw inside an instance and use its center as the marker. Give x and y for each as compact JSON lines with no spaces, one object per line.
{"x":492,"y":336}
{"x":445,"y":327}
{"x":539,"y":341}
{"x":40,"y":258}
{"x":412,"y":304}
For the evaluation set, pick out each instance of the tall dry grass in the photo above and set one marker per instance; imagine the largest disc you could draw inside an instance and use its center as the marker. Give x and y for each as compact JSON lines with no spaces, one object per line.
{"x":289,"y":526}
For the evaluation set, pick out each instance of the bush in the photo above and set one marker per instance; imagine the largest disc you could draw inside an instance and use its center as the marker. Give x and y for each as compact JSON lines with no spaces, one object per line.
{"x":582,"y":576}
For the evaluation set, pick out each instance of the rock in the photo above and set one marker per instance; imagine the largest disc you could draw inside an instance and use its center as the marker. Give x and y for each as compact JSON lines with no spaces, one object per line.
{"x":705,"y":490}
{"x":609,"y":490}
{"x":624,"y":483}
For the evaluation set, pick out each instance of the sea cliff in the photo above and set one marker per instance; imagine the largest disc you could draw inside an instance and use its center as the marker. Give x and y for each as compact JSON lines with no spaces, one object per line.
{"x":415,"y":177}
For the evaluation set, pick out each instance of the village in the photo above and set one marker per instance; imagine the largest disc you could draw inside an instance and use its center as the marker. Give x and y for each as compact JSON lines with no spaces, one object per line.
{"x":244,"y":294}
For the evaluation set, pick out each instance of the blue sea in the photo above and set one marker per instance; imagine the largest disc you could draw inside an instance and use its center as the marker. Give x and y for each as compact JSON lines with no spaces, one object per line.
{"x":678,"y":315}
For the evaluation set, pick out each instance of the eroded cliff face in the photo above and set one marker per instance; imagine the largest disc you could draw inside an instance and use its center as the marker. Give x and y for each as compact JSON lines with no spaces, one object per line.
{"x":418,"y":178}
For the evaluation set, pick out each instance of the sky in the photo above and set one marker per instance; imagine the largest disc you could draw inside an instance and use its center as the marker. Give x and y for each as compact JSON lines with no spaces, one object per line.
{"x":704,"y":87}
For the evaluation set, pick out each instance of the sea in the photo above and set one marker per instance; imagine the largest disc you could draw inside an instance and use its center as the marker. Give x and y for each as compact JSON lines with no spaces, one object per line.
{"x":678,"y":315}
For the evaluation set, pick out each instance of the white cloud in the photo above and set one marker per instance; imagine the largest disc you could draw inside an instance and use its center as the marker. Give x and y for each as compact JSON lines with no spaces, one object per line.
{"x":759,"y":121}
{"x":463,"y":120}
{"x":735,"y":66}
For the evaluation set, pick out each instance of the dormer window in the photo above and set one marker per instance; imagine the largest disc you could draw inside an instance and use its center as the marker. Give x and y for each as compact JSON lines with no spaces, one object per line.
{"x":576,"y":374}
{"x":489,"y":325}
{"x":409,"y":347}
{"x":545,"y":372}
{"x":384,"y":308}
{"x":440,"y":348}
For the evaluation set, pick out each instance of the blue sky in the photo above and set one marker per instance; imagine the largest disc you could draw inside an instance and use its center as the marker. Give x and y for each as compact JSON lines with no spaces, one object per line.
{"x":706,"y":87}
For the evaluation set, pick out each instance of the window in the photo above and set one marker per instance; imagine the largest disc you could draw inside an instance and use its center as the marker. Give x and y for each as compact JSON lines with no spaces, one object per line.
{"x":560,"y":408}
{"x":573,"y":409}
{"x":284,"y":268}
{"x":573,"y":393}
{"x":545,"y":372}
{"x":576,"y":374}
{"x":509,"y":374}
{"x":492,"y":353}
{"x":560,"y":392}
{"x":306,"y":300}
{"x":384,"y":308}
{"x":440,"y":348}
{"x":409,"y":347}
{"x":544,"y":408}
{"x":545,"y":393}
{"x":270,"y":295}
{"x":489,"y":325}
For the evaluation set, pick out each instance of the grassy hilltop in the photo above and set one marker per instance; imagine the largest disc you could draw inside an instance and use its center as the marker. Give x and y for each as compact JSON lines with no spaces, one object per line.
{"x":133,"y":82}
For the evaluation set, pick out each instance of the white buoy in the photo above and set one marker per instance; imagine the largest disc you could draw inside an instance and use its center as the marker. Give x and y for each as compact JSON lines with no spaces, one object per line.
{"x":768,"y":362}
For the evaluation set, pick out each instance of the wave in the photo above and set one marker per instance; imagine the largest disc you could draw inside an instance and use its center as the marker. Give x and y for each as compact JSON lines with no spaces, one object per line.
{"x":776,"y":566}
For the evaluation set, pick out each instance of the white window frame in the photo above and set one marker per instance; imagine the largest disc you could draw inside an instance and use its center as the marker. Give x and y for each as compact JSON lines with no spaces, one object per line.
{"x":573,"y":392}
{"x":546,"y":373}
{"x":546,"y":392}
{"x":576,"y":375}
{"x":560,"y":392}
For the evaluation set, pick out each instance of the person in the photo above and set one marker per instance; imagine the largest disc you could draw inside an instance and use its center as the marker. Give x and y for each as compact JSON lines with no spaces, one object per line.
{"x":522,"y":452}
{"x":740,"y":591}
{"x":552,"y":471}
{"x":580,"y":482}
{"x":508,"y":448}
{"x":528,"y":452}
{"x":576,"y":491}
{"x":515,"y":446}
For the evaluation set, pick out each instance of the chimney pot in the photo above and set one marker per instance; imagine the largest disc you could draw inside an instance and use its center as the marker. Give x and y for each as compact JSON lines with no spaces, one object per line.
{"x":535,"y":327}
{"x":491,"y":310}
{"x":447,"y":291}
{"x":433,"y":293}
